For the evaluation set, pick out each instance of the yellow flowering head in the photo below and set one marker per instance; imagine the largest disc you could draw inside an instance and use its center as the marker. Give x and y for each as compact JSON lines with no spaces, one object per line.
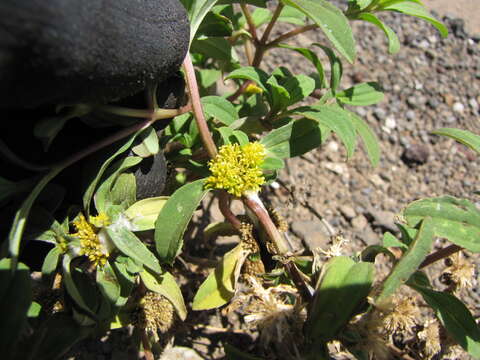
{"x":87,"y":233}
{"x":237,"y":168}
{"x":253,"y":89}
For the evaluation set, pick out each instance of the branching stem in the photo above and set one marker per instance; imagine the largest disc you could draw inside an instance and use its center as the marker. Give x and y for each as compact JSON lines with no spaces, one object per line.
{"x":291,"y":34}
{"x":440,"y":254}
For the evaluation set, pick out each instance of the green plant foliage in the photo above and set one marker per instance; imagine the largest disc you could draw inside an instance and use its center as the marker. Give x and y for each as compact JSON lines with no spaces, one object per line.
{"x":174,"y":218}
{"x":457,"y":220}
{"x":393,"y":42}
{"x":343,"y":285}
{"x":465,"y":137}
{"x":147,"y":143}
{"x":219,"y":109}
{"x":219,"y":287}
{"x":144,"y":213}
{"x":361,"y":94}
{"x":332,"y":21}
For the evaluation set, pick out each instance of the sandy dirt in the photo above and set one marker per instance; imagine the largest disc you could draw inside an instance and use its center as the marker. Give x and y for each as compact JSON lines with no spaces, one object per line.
{"x":468,"y":10}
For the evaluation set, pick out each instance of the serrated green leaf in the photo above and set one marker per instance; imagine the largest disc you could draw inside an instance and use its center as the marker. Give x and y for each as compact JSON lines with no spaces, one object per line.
{"x":332,"y":21}
{"x":147,"y":143}
{"x":258,"y":76}
{"x":370,"y":141}
{"x":335,"y":118}
{"x":165,"y":284}
{"x":417,"y":10}
{"x":343,"y":285}
{"x":363,"y":94}
{"x":295,"y":138}
{"x":15,"y":300}
{"x":457,"y":220}
{"x":219,"y":287}
{"x":174,"y":218}
{"x":455,"y":317}
{"x":465,"y":137}
{"x":144,"y":213}
{"x":220,"y":109}
{"x":410,"y":261}
{"x":393,"y":42}
{"x":130,"y":245}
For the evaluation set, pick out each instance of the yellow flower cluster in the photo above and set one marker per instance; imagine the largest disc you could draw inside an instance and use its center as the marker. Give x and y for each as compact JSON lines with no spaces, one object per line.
{"x":90,"y":244}
{"x":237,"y":168}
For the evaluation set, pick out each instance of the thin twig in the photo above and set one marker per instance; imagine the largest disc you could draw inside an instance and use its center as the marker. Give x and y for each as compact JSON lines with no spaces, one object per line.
{"x":272,"y":22}
{"x":291,"y":34}
{"x":205,"y":134}
{"x":251,"y":25}
{"x":440,"y":254}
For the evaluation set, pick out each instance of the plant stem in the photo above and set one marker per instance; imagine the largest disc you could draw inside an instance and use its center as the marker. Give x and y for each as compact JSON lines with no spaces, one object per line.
{"x":156,"y":114}
{"x":272,"y":22}
{"x":224,"y":205}
{"x":440,"y":254}
{"x":291,"y":34}
{"x":251,"y":25}
{"x":205,"y":134}
{"x":253,"y":202}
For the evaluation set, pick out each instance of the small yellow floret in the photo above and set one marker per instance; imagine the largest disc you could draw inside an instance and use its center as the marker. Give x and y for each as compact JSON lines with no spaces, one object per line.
{"x":237,"y":168}
{"x":90,"y":245}
{"x":253,"y":89}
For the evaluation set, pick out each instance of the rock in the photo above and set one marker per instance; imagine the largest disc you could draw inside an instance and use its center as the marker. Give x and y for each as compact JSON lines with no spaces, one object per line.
{"x":313,"y":233}
{"x":369,"y":236}
{"x":390,"y":122}
{"x":458,"y":107}
{"x":180,"y":353}
{"x":68,"y":51}
{"x":383,"y":219}
{"x":359,"y":222}
{"x":347,"y":211}
{"x":416,"y":154}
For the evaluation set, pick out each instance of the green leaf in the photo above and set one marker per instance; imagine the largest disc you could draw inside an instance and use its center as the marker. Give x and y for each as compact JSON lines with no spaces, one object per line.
{"x":21,"y":216}
{"x":174,"y":218}
{"x":51,"y":261}
{"x":336,"y":119}
{"x":409,"y":262}
{"x":272,"y":163}
{"x":103,"y":194}
{"x":130,"y":245}
{"x":393,"y":42}
{"x":197,"y":10}
{"x":295,"y":138}
{"x":72,"y":288}
{"x":207,"y":77}
{"x":457,"y":220}
{"x":219,"y":287}
{"x":215,"y":48}
{"x":390,"y":240}
{"x":15,"y":300}
{"x":147,"y":143}
{"x":165,"y":284}
{"x":87,"y":197}
{"x":336,"y":68}
{"x":144,"y":213}
{"x":298,"y":87}
{"x":215,"y":25}
{"x":278,"y":97}
{"x":455,"y":317}
{"x":417,"y":10}
{"x":332,"y":21}
{"x":108,"y":283}
{"x":218,"y":229}
{"x":369,"y":138}
{"x":220,"y":109}
{"x":312,"y":57}
{"x":364,"y":94}
{"x":343,"y":285}
{"x":124,"y":191}
{"x":258,"y":76}
{"x":465,"y":137}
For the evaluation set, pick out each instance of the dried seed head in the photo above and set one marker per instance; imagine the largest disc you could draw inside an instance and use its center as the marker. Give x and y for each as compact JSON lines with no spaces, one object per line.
{"x":399,"y":314}
{"x":336,"y":249}
{"x":278,"y":220}
{"x":156,"y":314}
{"x":248,"y":240}
{"x":460,"y":271}
{"x":430,"y":335}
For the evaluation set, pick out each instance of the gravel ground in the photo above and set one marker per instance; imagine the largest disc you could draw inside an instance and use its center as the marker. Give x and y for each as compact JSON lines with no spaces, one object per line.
{"x":431,"y":83}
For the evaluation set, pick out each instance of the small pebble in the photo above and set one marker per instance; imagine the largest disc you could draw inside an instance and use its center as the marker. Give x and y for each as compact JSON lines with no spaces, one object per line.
{"x":458,"y":107}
